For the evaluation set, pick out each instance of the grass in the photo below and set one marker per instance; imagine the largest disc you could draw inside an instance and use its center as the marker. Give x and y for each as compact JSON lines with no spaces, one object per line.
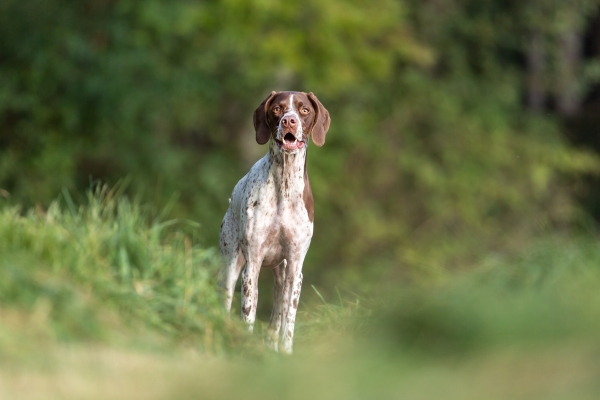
{"x":108,"y":271}
{"x":107,"y":300}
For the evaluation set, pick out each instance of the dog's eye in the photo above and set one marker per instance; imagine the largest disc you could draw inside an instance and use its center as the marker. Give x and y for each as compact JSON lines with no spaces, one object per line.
{"x":277,"y":109}
{"x":305,"y":111}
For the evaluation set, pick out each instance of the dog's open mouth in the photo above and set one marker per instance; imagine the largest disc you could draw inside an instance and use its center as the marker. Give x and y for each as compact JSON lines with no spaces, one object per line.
{"x":290,"y":142}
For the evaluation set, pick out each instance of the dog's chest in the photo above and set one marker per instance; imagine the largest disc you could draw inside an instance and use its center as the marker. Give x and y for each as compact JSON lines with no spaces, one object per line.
{"x":278,"y":205}
{"x":274,"y":213}
{"x":285,"y":234}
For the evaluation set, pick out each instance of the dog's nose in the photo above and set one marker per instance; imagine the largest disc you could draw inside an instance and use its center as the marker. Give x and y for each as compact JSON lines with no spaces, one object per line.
{"x":289,"y":122}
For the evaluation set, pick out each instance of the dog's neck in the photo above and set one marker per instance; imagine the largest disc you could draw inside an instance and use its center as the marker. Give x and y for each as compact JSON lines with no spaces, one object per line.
{"x":288,"y":170}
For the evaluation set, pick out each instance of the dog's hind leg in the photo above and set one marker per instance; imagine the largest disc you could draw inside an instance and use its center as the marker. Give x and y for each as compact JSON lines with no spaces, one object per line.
{"x":228,"y":276}
{"x":232,"y":260}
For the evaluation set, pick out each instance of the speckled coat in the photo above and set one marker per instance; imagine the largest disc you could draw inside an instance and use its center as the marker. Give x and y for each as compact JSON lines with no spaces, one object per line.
{"x":269,"y":223}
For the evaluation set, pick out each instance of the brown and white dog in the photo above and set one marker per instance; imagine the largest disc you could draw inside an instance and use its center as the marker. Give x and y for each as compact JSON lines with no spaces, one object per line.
{"x":269,"y":223}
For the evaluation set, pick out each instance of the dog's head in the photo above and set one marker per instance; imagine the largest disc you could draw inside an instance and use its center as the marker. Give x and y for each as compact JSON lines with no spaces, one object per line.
{"x":290,"y":118}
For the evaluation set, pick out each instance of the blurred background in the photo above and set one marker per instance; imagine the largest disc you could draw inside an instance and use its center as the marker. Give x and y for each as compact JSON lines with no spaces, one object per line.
{"x":457,"y":197}
{"x":461,"y":129}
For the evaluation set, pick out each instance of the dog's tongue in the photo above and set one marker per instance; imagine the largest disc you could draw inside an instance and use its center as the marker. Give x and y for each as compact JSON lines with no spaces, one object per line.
{"x":292,"y":145}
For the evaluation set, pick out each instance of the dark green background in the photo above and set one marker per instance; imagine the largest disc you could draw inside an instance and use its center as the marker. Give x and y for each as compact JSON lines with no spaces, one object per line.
{"x":460,"y":128}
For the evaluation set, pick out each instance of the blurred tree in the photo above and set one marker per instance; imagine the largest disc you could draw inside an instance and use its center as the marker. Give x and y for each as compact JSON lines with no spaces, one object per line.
{"x":536,"y":69}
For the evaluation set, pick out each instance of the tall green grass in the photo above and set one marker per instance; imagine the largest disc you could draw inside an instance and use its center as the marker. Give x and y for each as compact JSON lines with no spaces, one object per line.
{"x":109,"y":270}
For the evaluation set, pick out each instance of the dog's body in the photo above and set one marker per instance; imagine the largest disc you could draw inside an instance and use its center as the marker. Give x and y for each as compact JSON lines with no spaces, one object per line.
{"x":269,"y":223}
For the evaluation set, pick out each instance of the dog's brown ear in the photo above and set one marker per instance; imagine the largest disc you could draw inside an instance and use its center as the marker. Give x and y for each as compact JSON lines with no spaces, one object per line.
{"x":261,"y":123}
{"x":322,"y":120}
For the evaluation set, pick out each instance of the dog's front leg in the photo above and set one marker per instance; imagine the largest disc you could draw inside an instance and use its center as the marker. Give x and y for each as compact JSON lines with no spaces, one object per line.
{"x":272,"y":338}
{"x":291,"y":299}
{"x":250,"y":291}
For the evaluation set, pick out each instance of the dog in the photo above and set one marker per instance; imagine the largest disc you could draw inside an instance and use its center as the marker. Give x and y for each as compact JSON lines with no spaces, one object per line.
{"x":269,"y":222}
